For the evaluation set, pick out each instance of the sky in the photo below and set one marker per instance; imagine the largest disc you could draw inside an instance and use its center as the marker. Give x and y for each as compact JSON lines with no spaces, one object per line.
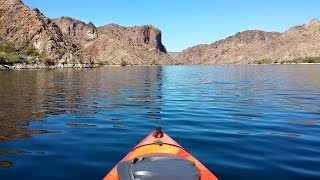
{"x":186,"y":23}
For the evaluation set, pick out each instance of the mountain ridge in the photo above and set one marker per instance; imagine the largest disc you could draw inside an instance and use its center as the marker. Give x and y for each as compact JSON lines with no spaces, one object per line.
{"x":250,"y":46}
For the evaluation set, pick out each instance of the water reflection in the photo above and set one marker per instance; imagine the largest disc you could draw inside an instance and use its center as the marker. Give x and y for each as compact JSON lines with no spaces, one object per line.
{"x":6,"y":164}
{"x":33,"y":94}
{"x":238,"y":119}
{"x":12,"y":151}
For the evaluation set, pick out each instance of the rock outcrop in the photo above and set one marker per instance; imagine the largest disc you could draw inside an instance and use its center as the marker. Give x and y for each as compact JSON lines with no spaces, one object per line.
{"x":22,"y":26}
{"x":133,"y":45}
{"x":114,"y":44}
{"x":249,"y":46}
{"x":78,"y":31}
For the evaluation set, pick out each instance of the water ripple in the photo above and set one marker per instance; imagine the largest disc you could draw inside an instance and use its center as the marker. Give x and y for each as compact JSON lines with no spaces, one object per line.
{"x":253,"y":122}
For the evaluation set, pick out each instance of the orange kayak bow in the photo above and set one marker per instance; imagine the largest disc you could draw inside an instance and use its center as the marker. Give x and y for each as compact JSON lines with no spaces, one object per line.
{"x":159,"y":157}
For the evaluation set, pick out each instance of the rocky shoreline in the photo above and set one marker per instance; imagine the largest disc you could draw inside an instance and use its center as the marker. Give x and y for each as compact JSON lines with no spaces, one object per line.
{"x":20,"y":66}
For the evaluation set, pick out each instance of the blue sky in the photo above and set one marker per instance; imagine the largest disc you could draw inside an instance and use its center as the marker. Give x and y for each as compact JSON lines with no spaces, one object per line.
{"x":186,"y":23}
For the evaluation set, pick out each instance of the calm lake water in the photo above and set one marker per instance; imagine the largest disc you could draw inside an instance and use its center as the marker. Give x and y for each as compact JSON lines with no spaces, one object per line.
{"x":242,"y":122}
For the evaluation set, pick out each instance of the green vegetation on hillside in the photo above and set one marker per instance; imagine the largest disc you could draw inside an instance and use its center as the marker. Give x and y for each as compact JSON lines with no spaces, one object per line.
{"x":10,"y":55}
{"x":6,"y":48}
{"x":103,"y":62}
{"x":11,"y":58}
{"x":293,"y":61}
{"x":7,"y":53}
{"x":29,"y":51}
{"x":155,"y":63}
{"x":304,"y":60}
{"x":263,"y":61}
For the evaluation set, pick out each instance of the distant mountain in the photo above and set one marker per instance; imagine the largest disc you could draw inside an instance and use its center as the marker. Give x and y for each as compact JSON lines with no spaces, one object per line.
{"x":67,"y":40}
{"x":253,"y":46}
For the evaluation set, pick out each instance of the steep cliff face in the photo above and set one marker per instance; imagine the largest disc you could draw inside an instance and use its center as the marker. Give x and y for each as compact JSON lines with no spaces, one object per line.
{"x":144,"y":36}
{"x":22,"y":26}
{"x":249,"y":46}
{"x":133,"y":45}
{"x":114,"y":44}
{"x":78,"y":31}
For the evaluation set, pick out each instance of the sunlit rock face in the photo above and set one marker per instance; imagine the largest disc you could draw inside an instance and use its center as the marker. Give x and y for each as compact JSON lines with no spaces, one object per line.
{"x":249,"y":46}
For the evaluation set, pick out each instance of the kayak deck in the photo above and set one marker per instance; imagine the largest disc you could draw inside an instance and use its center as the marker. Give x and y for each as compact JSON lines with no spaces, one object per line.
{"x":162,"y":143}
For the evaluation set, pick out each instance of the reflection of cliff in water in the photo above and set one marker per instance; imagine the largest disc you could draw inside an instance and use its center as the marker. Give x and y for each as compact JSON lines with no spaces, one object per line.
{"x":19,"y":92}
{"x":31,"y":95}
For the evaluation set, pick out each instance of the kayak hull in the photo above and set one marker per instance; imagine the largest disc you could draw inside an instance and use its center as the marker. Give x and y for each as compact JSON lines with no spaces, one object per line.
{"x":163,"y":144}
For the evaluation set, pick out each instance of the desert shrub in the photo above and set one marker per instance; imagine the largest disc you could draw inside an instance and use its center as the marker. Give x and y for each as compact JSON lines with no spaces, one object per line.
{"x":7,"y":48}
{"x":124,"y":63}
{"x":311,"y":60}
{"x":155,"y":62}
{"x":29,"y":51}
{"x":43,"y":56}
{"x":103,"y":62}
{"x":14,"y":58}
{"x":295,"y":61}
{"x":263,"y":61}
{"x":48,"y":62}
{"x":7,"y":54}
{"x":80,"y":59}
{"x":9,"y":57}
{"x":304,"y":60}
